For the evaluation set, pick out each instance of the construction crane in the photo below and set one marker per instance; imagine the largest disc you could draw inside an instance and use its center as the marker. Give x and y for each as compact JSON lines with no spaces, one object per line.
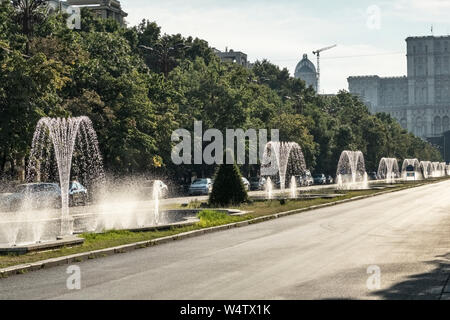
{"x":317,"y":53}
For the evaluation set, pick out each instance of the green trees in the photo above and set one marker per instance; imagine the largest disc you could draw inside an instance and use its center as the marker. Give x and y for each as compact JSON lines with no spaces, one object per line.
{"x":137,"y":97}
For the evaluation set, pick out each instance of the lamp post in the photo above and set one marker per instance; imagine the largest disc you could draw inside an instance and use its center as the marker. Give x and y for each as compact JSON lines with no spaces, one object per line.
{"x":164,"y":53}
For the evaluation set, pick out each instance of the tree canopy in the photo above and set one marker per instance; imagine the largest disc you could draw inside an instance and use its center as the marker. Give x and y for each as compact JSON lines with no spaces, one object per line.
{"x":138,"y":85}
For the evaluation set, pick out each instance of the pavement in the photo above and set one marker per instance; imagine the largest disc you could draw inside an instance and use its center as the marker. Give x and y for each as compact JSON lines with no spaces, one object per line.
{"x":393,"y":246}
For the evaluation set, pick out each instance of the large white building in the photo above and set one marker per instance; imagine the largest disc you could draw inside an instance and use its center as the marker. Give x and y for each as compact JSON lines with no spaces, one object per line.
{"x":306,"y":71}
{"x":420,"y":101}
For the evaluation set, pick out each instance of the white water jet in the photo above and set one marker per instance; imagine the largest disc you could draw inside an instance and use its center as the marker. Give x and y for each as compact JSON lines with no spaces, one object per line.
{"x":427,"y":170}
{"x":411,"y":170}
{"x":293,"y":187}
{"x":388,"y":170}
{"x":157,"y":194}
{"x":280,"y":157}
{"x":351,"y":171}
{"x":57,"y":139}
{"x":269,"y":189}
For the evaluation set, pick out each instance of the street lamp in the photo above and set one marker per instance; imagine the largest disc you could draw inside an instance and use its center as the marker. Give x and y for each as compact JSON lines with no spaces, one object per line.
{"x":163,"y":52}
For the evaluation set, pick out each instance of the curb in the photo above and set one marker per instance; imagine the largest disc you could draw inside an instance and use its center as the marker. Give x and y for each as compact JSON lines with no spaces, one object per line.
{"x":80,"y":257}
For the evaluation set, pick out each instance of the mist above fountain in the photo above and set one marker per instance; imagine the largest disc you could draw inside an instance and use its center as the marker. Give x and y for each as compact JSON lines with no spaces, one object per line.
{"x":388,"y":170}
{"x":351,"y":171}
{"x":280,"y":158}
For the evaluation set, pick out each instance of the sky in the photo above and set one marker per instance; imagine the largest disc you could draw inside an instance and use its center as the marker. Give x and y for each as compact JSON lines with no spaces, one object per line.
{"x":370,"y":35}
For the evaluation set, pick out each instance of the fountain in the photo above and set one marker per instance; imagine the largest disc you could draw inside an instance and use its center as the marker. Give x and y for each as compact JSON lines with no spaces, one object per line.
{"x":427,"y":169}
{"x":443,"y":168}
{"x":56,"y":138}
{"x":388,"y":170}
{"x":439,"y":169}
{"x":73,"y":144}
{"x":157,"y":194}
{"x":411,"y":170}
{"x":293,"y":187}
{"x":351,"y":171}
{"x":269,"y":189}
{"x":278,"y":157}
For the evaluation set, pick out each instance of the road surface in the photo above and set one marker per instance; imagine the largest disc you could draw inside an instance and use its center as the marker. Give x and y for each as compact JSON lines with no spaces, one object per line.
{"x":321,"y":254}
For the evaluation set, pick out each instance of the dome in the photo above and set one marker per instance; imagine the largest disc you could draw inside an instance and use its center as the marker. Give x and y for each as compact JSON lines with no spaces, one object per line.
{"x":305,"y":66}
{"x":306,"y":71}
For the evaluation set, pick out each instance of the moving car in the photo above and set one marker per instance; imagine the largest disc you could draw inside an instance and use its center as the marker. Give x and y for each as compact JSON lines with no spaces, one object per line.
{"x":200,"y":187}
{"x":246,"y":183}
{"x":257,"y":183}
{"x":319,"y":178}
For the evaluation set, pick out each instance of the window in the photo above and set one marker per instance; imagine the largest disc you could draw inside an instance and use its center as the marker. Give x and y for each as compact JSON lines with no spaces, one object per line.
{"x":445,"y":124}
{"x":437,"y":125}
{"x":404,"y":123}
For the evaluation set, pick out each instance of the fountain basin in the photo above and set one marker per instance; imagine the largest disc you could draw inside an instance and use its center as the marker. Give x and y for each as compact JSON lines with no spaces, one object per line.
{"x":67,"y":241}
{"x":299,"y":197}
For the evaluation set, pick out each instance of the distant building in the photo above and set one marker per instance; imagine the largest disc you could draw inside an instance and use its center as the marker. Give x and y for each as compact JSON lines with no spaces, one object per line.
{"x":420,"y":101}
{"x":106,"y":9}
{"x":233,"y":56}
{"x":306,"y":71}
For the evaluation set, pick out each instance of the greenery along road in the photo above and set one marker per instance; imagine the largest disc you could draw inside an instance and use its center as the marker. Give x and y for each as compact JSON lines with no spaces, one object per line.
{"x":135,"y":99}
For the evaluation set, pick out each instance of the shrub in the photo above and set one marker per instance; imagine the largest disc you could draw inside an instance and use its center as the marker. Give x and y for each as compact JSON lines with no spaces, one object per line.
{"x":228,"y":188}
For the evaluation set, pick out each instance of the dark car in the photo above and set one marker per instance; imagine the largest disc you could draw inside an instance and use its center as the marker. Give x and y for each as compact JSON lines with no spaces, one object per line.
{"x":257,"y":183}
{"x":320,"y":178}
{"x":330,"y":180}
{"x":373,"y":176}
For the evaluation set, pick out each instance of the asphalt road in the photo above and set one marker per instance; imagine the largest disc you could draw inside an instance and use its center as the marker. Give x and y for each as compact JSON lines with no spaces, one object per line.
{"x":321,"y":254}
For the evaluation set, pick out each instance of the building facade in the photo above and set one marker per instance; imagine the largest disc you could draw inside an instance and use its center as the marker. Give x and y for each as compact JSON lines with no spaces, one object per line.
{"x":106,"y":9}
{"x":420,"y":101}
{"x":233,"y":56}
{"x":306,"y":71}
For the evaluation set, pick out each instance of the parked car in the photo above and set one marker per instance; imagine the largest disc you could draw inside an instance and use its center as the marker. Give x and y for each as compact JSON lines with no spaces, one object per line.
{"x":246,"y":183}
{"x":308,"y":179}
{"x":257,"y":183}
{"x":78,"y":194}
{"x":147,"y":190}
{"x":373,"y":176}
{"x":330,"y":180}
{"x":44,"y":195}
{"x":201,"y":187}
{"x":319,"y":178}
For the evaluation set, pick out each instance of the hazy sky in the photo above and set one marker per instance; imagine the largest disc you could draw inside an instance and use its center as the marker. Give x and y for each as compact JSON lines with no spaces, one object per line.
{"x":370,"y":34}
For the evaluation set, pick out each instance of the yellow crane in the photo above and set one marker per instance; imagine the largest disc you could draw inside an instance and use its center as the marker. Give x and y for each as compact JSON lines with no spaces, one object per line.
{"x":317,"y":53}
